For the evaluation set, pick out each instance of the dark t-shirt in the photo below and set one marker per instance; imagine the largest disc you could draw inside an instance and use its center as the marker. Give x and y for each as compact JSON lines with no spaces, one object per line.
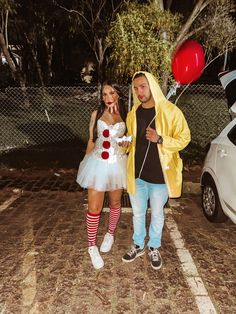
{"x":152,"y":171}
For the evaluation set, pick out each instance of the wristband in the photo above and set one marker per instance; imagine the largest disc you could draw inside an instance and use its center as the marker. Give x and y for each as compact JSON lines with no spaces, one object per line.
{"x":160,"y":140}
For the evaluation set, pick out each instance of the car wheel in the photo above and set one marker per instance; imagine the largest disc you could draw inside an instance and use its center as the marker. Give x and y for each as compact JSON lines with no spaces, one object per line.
{"x":211,"y":204}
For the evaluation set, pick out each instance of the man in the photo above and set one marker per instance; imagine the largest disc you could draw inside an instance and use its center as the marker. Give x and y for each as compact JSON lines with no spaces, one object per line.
{"x":159,"y":131}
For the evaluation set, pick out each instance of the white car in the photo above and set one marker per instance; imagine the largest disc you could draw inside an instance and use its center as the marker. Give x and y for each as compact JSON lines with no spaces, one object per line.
{"x":218,"y":179}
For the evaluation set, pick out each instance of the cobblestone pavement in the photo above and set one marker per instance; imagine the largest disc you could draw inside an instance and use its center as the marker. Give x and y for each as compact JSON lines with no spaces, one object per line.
{"x":45,"y":268}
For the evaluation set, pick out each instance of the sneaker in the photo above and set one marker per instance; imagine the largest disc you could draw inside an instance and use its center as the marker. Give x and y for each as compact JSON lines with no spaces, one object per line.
{"x":107,"y":243}
{"x":155,"y":258}
{"x":134,"y":252}
{"x":96,"y":258}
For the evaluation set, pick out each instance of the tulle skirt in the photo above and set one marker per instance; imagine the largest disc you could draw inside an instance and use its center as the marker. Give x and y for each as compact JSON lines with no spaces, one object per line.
{"x":101,"y":175}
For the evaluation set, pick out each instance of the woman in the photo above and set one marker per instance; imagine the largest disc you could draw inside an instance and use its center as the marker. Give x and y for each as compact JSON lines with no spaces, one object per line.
{"x":103,"y":168}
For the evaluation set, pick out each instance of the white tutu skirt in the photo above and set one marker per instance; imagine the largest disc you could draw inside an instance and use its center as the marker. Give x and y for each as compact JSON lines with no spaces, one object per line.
{"x":101,"y":175}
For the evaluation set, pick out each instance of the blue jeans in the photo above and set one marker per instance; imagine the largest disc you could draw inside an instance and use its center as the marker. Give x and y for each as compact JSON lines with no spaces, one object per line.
{"x":158,"y":196}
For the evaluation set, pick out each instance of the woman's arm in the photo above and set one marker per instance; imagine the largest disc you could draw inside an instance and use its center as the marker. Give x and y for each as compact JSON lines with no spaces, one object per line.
{"x":91,"y":144}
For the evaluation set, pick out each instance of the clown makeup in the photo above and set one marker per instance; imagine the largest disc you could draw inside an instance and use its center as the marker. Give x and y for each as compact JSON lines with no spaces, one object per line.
{"x":110,"y":98}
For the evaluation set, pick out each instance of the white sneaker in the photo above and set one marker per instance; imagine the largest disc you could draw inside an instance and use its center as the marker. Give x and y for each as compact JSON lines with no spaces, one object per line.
{"x":95,"y":256}
{"x":107,"y":243}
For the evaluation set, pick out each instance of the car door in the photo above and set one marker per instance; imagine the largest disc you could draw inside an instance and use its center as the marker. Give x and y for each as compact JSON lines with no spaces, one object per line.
{"x":226,"y":165}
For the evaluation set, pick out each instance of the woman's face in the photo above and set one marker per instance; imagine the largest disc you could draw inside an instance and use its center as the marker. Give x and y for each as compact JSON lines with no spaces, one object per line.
{"x":110,"y":97}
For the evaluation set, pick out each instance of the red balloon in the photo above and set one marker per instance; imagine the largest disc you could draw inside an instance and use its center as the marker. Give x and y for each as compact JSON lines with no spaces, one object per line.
{"x":188,"y":62}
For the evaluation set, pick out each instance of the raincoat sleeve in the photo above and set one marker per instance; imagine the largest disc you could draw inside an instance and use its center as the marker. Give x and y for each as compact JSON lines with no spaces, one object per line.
{"x":129,"y":126}
{"x":180,"y":136}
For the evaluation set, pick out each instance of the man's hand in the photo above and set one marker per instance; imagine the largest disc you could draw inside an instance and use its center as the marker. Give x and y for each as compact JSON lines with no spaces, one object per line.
{"x":152,"y":135}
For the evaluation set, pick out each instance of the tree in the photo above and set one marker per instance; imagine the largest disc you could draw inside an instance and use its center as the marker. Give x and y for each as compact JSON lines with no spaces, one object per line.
{"x":40,"y":29}
{"x":95,"y":17}
{"x":9,"y":8}
{"x":144,"y":35}
{"x":39,"y":32}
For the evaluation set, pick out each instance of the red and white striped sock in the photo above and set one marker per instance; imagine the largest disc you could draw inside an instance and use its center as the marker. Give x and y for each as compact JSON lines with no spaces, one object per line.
{"x":92,"y":221}
{"x":113,"y":219}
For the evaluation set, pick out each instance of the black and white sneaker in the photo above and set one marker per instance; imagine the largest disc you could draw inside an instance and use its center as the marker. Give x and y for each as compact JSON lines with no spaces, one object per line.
{"x":155,"y":258}
{"x":134,"y":252}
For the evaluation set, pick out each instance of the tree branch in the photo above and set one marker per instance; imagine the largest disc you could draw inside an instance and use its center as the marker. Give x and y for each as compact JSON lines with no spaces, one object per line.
{"x":76,"y":12}
{"x":6,"y":27}
{"x":169,"y":3}
{"x":199,"y":7}
{"x":7,"y":55}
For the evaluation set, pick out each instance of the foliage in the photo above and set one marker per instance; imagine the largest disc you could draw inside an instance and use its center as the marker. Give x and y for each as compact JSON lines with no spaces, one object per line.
{"x":42,"y":30}
{"x":138,"y":42}
{"x":46,"y":35}
{"x":95,"y":18}
{"x":7,"y":5}
{"x":137,"y":39}
{"x":37,"y":32}
{"x":219,"y":32}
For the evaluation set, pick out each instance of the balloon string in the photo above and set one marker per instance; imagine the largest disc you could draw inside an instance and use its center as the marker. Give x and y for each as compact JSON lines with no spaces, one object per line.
{"x":192,"y":80}
{"x":171,"y":92}
{"x":147,"y":150}
{"x":144,"y":159}
{"x":182,"y":93}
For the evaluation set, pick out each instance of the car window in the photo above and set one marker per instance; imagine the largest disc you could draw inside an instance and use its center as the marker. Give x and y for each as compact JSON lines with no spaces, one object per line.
{"x":232,"y":135}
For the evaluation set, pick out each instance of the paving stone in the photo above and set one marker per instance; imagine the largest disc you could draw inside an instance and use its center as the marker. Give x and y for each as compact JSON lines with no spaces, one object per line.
{"x":45,"y":267}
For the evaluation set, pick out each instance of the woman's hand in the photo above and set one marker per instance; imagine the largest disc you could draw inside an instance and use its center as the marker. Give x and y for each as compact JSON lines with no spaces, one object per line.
{"x":124,"y":144}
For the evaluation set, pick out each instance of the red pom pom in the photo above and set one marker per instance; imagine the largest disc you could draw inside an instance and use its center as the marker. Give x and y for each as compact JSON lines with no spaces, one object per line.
{"x":105,"y":155}
{"x":106,"y":144}
{"x":106,"y":133}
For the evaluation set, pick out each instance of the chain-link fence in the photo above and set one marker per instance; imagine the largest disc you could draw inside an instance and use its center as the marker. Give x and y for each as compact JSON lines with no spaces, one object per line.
{"x":206,"y":111}
{"x":47,"y":115}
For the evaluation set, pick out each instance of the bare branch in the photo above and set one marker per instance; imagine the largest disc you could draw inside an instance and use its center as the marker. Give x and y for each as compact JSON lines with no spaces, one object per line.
{"x":199,"y":7}
{"x":2,"y":18}
{"x":76,"y":12}
{"x":102,"y":3}
{"x":6,"y":27}
{"x":7,"y":54}
{"x":168,"y":4}
{"x":194,"y":32}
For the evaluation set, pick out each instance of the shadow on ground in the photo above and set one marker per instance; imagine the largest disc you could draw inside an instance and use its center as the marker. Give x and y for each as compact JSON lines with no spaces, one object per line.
{"x":53,"y":155}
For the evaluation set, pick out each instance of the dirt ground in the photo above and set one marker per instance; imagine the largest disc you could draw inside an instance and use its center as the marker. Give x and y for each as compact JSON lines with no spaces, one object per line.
{"x":44,"y":264}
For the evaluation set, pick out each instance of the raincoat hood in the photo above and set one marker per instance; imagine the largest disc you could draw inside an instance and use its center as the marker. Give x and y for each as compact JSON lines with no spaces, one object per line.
{"x":156,"y":91}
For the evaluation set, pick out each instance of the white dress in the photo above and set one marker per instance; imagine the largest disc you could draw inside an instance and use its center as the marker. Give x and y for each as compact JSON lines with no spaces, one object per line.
{"x":104,"y":169}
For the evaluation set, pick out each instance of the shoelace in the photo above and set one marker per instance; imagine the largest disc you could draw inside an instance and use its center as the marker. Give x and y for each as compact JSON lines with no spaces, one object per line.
{"x":154,"y":255}
{"x":132,"y":250}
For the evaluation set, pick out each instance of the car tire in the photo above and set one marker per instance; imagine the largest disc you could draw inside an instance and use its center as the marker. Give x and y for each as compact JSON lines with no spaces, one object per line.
{"x":210,"y":202}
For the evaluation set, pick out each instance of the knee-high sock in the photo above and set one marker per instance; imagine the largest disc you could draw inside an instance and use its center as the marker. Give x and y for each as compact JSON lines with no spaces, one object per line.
{"x":92,"y":221}
{"x":113,"y":219}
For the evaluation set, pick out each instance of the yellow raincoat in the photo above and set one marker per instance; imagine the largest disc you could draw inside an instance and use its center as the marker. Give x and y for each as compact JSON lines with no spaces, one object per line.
{"x":172,"y":126}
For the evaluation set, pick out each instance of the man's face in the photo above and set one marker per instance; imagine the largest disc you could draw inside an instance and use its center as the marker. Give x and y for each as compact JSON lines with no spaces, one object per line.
{"x":142,"y":89}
